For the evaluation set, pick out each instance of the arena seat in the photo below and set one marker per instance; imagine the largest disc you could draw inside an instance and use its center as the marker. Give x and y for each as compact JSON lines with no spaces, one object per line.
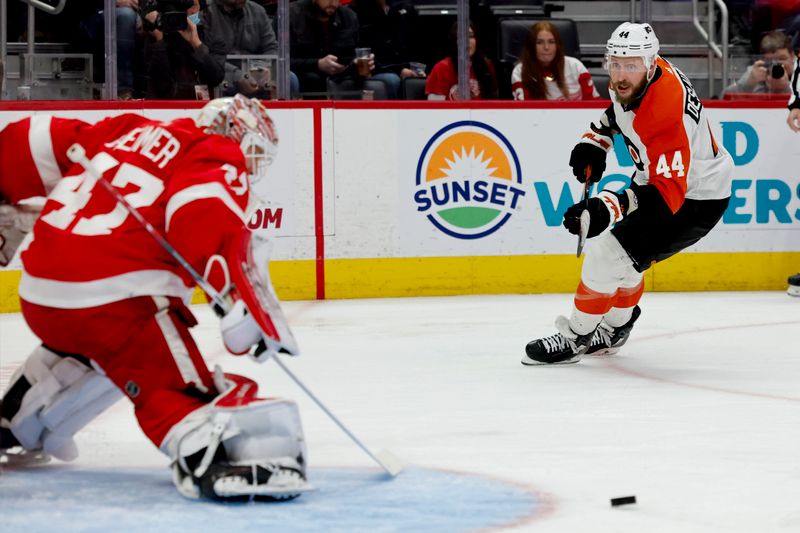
{"x":414,"y":88}
{"x":349,"y":89}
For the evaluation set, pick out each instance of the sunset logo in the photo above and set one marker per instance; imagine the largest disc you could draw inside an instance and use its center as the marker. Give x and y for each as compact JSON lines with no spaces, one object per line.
{"x":468,"y":180}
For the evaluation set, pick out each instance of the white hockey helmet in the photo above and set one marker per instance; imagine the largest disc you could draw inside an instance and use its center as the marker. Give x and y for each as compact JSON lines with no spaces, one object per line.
{"x":246,"y":121}
{"x":631,"y":39}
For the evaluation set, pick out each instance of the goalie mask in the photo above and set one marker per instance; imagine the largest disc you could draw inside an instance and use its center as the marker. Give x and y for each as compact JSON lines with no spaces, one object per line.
{"x":246,"y":121}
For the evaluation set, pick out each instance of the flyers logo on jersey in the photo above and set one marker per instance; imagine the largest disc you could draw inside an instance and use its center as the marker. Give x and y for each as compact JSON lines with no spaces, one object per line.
{"x":468,"y":180}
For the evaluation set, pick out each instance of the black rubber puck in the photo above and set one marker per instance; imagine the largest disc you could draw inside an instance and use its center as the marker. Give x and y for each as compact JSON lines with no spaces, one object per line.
{"x":625,"y":500}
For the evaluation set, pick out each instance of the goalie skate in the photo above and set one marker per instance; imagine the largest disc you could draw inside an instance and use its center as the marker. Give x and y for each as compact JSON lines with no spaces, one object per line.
{"x":245,"y":482}
{"x":13,"y":455}
{"x":19,"y":457}
{"x":239,"y":447}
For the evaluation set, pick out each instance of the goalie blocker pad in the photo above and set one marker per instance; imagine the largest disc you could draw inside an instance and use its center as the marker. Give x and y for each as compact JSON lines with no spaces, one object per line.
{"x":247,"y":279}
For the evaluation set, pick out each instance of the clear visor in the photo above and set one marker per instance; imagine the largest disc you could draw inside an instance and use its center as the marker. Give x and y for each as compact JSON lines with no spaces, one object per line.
{"x":628,"y":65}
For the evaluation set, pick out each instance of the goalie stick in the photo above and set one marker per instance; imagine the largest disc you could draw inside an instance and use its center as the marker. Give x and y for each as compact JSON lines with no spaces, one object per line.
{"x":77,"y":154}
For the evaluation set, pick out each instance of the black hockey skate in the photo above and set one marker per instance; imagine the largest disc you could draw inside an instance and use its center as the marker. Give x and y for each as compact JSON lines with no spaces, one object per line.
{"x":607,"y":339}
{"x":7,"y":439}
{"x":562,"y":348}
{"x":12,"y":454}
{"x":794,"y":285}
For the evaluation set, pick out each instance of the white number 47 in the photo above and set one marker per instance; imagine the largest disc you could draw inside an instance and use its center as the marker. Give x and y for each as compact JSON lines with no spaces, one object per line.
{"x":676,"y":166}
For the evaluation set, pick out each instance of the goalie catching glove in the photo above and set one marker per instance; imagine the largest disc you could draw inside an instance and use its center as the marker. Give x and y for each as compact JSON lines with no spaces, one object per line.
{"x":605,"y":209}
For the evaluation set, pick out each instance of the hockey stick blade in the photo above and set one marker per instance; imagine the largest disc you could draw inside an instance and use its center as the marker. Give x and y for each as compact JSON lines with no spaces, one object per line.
{"x":584,"y":232}
{"x":390,"y":463}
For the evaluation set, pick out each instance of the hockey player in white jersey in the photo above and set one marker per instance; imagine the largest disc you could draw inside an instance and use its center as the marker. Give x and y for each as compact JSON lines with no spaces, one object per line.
{"x":680,"y":189}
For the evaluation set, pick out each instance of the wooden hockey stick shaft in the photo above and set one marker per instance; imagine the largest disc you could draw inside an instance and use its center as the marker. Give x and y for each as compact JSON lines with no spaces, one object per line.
{"x":77,"y":154}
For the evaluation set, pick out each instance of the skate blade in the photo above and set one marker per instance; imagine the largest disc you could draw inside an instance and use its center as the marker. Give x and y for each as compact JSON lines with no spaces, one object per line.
{"x":527,"y":361}
{"x":23,"y":459}
{"x":604,"y":351}
{"x":793,"y":290}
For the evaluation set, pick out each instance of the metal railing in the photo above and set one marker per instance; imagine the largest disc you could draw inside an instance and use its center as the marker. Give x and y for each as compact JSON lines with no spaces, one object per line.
{"x":715,"y":49}
{"x":709,"y":36}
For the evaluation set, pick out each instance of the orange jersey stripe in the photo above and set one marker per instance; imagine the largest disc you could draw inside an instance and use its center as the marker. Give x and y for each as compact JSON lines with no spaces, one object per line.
{"x":663,"y":133}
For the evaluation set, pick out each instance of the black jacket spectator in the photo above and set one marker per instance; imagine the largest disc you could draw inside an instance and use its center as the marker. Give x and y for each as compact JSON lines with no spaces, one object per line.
{"x":244,"y":30}
{"x":175,"y":67}
{"x":312,"y":38}
{"x":388,"y":28}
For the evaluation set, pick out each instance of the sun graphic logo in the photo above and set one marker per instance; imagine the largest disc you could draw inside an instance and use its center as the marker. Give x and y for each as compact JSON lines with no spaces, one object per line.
{"x":468,"y":180}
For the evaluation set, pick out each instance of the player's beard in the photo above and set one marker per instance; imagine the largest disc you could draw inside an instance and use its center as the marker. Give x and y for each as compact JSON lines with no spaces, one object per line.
{"x":637,"y":90}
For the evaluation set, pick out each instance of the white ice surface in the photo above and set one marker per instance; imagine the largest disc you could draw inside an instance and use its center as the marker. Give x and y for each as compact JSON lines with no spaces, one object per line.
{"x":698,"y":417}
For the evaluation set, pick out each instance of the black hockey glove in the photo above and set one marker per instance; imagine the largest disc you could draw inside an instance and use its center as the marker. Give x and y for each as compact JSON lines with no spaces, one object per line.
{"x":604,"y":209}
{"x":584,"y":155}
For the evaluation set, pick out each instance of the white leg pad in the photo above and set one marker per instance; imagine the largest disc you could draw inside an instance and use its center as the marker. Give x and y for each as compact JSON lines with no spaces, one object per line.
{"x":65,"y":395}
{"x":263,"y":430}
{"x":254,"y":433}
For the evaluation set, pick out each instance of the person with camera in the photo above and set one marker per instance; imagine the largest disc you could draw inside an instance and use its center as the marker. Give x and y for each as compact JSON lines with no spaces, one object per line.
{"x":181,"y":63}
{"x":771,"y":73}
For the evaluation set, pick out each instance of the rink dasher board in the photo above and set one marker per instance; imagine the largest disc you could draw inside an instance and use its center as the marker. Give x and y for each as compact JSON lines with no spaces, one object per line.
{"x":410,"y":199}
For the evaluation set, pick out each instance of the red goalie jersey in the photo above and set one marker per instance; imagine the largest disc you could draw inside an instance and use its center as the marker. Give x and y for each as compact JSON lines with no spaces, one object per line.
{"x":87,"y":249}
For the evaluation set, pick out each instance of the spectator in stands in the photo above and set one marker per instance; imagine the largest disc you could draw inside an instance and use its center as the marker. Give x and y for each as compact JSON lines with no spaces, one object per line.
{"x":182,"y":64}
{"x":388,"y":28}
{"x":127,"y":26}
{"x":442,"y":83}
{"x":545,"y":73}
{"x":323,"y":37}
{"x":245,"y":29}
{"x":772,"y":72}
{"x":92,"y":34}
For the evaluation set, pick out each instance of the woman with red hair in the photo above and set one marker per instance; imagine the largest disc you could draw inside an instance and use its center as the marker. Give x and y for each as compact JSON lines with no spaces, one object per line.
{"x":545,"y":73}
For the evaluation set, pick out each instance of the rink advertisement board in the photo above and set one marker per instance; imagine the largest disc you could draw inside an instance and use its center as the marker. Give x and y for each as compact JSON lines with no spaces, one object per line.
{"x":404,"y":199}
